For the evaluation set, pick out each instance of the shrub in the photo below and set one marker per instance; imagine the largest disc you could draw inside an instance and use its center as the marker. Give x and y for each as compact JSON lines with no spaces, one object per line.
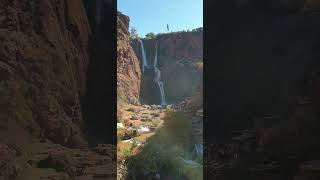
{"x":150,"y":35}
{"x":164,"y":151}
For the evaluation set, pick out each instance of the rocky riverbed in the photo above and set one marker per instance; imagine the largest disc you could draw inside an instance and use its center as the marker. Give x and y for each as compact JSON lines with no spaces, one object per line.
{"x":46,"y":160}
{"x":137,"y":124}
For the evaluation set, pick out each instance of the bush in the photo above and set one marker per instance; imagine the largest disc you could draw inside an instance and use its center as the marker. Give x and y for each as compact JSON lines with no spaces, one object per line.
{"x":150,"y":35}
{"x":134,"y":33}
{"x":164,"y":151}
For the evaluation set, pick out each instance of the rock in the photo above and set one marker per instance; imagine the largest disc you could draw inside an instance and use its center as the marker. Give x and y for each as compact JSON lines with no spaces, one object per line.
{"x":74,"y":162}
{"x":144,"y":130}
{"x":75,"y":141}
{"x":131,"y":110}
{"x":134,"y":117}
{"x":105,"y":149}
{"x":59,"y":162}
{"x":155,"y":107}
{"x":155,"y":114}
{"x":103,"y":171}
{"x":120,"y":125}
{"x":7,"y":165}
{"x":125,"y":134}
{"x":128,"y":68}
{"x":146,"y":106}
{"x":45,"y":44}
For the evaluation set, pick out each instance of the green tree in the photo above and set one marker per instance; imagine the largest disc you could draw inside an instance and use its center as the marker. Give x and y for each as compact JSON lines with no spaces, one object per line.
{"x":133,"y":33}
{"x":200,"y":29}
{"x":150,"y":35}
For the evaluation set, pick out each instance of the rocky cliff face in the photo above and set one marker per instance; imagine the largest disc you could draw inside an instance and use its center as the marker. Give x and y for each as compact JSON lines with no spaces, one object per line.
{"x":43,"y":66}
{"x":48,"y":90}
{"x":128,"y":67}
{"x":179,"y":56}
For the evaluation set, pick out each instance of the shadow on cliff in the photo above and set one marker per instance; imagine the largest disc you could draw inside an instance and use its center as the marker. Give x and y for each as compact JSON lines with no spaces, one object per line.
{"x":100,"y":101}
{"x":264,"y":52}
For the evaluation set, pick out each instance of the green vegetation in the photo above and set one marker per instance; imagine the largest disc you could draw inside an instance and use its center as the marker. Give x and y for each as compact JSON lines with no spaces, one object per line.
{"x":166,"y":151}
{"x":200,"y":29}
{"x":126,"y":149}
{"x":150,"y":35}
{"x":134,"y":33}
{"x":196,"y":30}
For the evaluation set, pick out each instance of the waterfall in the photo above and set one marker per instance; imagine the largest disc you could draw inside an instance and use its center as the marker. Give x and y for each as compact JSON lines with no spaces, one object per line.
{"x":198,"y":149}
{"x":144,"y":58}
{"x":163,"y":99}
{"x":157,"y":77}
{"x":156,"y":56}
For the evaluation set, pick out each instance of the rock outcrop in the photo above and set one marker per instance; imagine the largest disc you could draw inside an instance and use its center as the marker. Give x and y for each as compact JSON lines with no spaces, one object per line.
{"x":128,"y":67}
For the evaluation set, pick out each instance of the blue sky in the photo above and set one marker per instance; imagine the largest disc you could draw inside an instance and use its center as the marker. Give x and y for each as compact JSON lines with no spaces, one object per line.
{"x":154,"y":15}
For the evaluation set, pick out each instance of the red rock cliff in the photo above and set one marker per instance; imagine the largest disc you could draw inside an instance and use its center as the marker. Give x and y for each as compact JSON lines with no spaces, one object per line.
{"x":179,"y":55}
{"x":43,"y":65}
{"x":128,"y":68}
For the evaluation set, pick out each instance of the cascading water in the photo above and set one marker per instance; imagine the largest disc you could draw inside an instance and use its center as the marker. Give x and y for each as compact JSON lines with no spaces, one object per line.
{"x":144,"y":58}
{"x":157,"y":77}
{"x":156,"y":56}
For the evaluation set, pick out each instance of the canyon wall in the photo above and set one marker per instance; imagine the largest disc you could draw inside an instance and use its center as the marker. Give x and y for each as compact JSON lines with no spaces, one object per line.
{"x":179,"y":56}
{"x":128,"y":67}
{"x":55,"y":95}
{"x":43,"y":64}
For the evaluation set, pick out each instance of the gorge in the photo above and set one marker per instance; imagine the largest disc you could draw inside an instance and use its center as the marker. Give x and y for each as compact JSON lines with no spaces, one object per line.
{"x":145,"y":117}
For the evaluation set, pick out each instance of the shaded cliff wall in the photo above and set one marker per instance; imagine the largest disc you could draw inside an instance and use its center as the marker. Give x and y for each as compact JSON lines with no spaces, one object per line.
{"x":43,"y":64}
{"x":179,"y":55}
{"x":100,"y":100}
{"x":128,"y":67}
{"x":262,"y":52}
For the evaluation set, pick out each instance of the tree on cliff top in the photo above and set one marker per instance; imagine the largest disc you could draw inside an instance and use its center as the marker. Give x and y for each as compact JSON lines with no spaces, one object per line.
{"x":150,"y":35}
{"x":200,"y":29}
{"x":133,"y":33}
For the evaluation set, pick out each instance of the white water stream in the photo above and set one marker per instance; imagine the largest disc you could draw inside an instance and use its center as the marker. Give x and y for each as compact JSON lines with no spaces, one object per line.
{"x":157,"y":77}
{"x":144,"y":58}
